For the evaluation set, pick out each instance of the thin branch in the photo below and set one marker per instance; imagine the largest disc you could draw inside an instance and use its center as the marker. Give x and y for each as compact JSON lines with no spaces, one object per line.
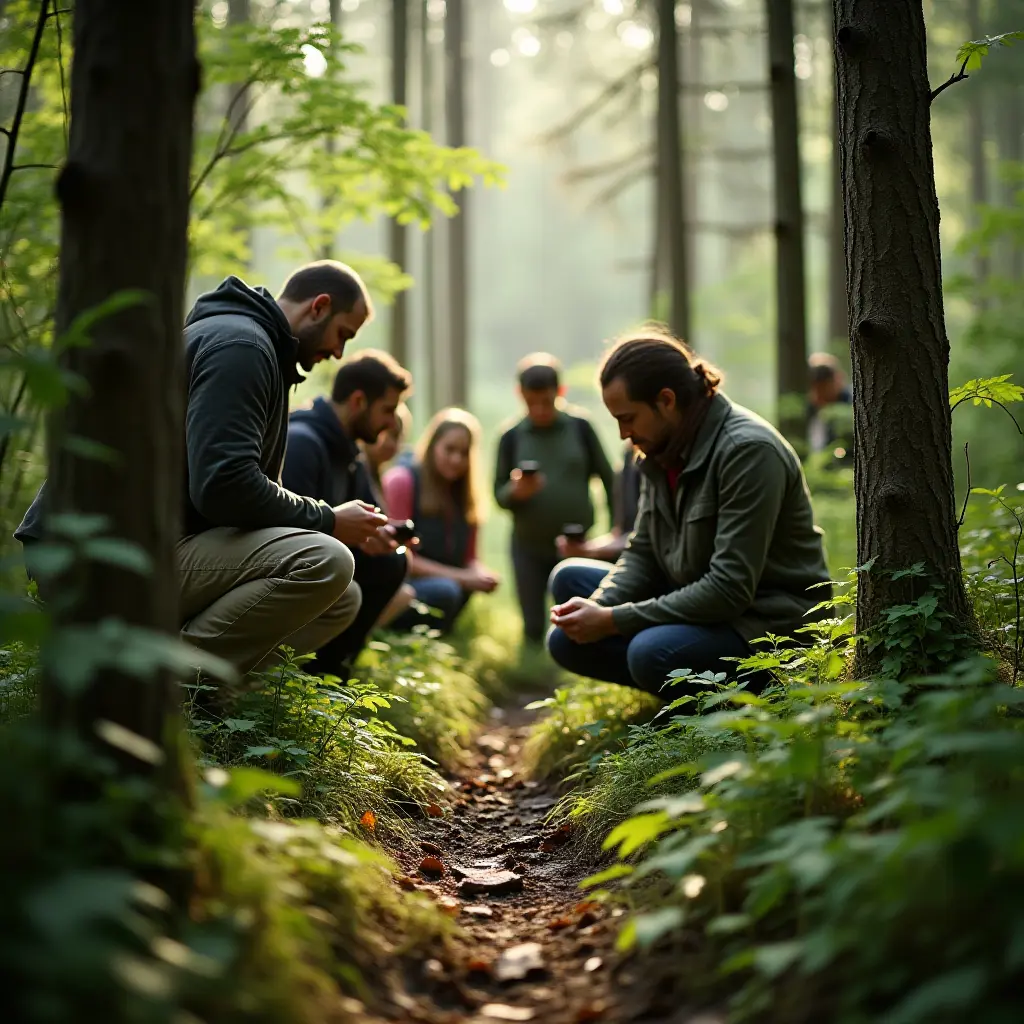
{"x":958,"y":76}
{"x":599,"y":170}
{"x":33,"y":167}
{"x":19,"y":111}
{"x":963,"y":511}
{"x":620,"y":184}
{"x":588,"y":110}
{"x":994,"y":401}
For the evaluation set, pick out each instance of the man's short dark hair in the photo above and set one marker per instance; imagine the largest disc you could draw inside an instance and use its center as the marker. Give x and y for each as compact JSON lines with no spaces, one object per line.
{"x":539,"y":371}
{"x":374,"y":373}
{"x":328,"y":277}
{"x":822,"y":367}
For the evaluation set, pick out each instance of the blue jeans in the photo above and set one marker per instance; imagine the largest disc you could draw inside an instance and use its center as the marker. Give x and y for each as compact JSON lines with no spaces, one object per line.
{"x":445,"y":595}
{"x":644,"y":660}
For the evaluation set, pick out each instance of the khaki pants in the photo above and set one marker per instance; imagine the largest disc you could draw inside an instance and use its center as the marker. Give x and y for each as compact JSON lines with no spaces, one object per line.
{"x":244,"y":593}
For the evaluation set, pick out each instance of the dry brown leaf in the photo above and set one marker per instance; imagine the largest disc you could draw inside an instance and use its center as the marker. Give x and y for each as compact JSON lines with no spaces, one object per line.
{"x":368,"y":820}
{"x":590,"y":1012}
{"x":432,"y":866}
{"x":556,"y":924}
{"x":435,"y":810}
{"x":479,"y":966}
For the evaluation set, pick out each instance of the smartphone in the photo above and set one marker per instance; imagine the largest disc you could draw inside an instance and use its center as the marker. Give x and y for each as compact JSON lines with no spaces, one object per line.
{"x":574,"y":532}
{"x":404,"y":531}
{"x":529,"y":467}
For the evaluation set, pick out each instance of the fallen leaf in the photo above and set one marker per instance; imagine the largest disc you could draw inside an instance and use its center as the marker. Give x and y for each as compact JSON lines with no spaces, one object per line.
{"x":516,"y":962}
{"x":432,"y":866}
{"x":499,"y":1011}
{"x":368,"y":820}
{"x":585,"y":905}
{"x":592,"y":1011}
{"x":478,"y":966}
{"x":556,"y":924}
{"x":593,"y":963}
{"x":405,"y":882}
{"x":428,"y":847}
{"x":435,"y":811}
{"x":547,"y":847}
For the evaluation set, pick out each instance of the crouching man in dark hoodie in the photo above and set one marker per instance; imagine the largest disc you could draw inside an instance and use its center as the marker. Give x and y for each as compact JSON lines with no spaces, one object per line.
{"x":260,"y":566}
{"x":324,"y":462}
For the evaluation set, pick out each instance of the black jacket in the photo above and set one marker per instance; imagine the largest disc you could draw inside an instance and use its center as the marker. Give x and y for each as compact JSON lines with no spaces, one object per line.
{"x":240,"y":360}
{"x":323,"y":462}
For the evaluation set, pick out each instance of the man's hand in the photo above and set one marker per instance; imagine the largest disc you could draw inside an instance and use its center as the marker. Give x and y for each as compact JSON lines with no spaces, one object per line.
{"x":572,"y":548}
{"x":478,"y":578}
{"x":382,"y":542}
{"x":356,"y":522}
{"x":583,"y":620}
{"x":525,"y":485}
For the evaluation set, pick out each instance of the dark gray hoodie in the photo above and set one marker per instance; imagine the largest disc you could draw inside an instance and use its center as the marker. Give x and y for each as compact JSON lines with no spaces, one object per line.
{"x":240,"y":360}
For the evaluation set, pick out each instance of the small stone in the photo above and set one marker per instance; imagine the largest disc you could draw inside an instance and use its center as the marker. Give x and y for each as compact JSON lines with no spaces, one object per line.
{"x":491,"y":743}
{"x":593,"y":964}
{"x":517,"y":962}
{"x":489,"y":883}
{"x":521,"y":844}
{"x":499,"y":1011}
{"x":478,"y":910}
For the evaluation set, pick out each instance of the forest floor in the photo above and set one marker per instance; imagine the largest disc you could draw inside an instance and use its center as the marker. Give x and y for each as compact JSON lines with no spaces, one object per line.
{"x":531,"y":946}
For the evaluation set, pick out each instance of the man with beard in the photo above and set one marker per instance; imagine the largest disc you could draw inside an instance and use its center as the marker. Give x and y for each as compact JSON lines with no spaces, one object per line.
{"x":324,"y":462}
{"x":260,"y":565}
{"x":724,"y":549}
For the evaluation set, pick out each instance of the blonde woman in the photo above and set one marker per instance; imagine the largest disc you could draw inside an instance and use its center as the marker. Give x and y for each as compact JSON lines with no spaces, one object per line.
{"x":440,"y":493}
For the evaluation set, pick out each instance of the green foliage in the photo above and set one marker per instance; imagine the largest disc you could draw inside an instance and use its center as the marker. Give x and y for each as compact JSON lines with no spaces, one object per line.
{"x":973,"y":52}
{"x":987,"y":391}
{"x":329,"y":737}
{"x":832,"y":839}
{"x":435,"y":702}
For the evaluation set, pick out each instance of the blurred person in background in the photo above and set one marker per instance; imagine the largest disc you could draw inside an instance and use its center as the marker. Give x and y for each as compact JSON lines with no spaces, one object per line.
{"x":829,"y":407}
{"x":440,"y":493}
{"x":542,"y":476}
{"x":324,"y":461}
{"x":724,"y":550}
{"x":377,"y":455}
{"x":608,"y":546}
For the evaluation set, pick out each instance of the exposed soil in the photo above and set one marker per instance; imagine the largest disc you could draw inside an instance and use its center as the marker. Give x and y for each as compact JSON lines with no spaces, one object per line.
{"x":533,"y":946}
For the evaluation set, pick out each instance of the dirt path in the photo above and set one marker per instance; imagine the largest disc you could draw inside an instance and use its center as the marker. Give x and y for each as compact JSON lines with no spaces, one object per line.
{"x":534,"y":948}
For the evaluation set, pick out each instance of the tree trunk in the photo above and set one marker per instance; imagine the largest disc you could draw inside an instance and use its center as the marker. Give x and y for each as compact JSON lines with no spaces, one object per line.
{"x":790,"y":295}
{"x":670,"y":170}
{"x":327,"y":248}
{"x":456,"y":392}
{"x":429,"y":282}
{"x":900,"y":352}
{"x":237,"y":113}
{"x":397,"y":232}
{"x":124,"y":201}
{"x":1010,"y":128}
{"x":976,"y":149}
{"x":838,"y":308}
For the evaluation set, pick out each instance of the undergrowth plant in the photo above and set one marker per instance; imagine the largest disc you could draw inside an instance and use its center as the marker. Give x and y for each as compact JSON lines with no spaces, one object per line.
{"x":354,"y":768}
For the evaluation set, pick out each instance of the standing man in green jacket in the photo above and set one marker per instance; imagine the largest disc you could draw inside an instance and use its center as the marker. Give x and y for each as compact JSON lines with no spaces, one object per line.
{"x":542,"y":476}
{"x":725,"y":548}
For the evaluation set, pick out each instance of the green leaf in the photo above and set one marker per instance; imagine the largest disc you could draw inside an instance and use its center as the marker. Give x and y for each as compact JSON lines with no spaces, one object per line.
{"x":975,"y":50}
{"x":645,"y":929}
{"x":608,"y":875}
{"x":637,"y":831}
{"x":121,"y":553}
{"x":246,"y":783}
{"x":771,"y":960}
{"x":238,"y":724}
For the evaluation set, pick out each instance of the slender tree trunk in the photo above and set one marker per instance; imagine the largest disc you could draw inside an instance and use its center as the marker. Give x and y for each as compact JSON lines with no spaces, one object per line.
{"x":790,"y":295}
{"x":976,"y":149}
{"x":670,"y":170}
{"x":327,"y":248}
{"x":397,"y":234}
{"x":692,"y":73}
{"x":903,"y":466}
{"x":429,"y":282}
{"x":458,"y":227}
{"x":838,"y":308}
{"x":124,"y":201}
{"x":1010,"y":135}
{"x":238,"y":114}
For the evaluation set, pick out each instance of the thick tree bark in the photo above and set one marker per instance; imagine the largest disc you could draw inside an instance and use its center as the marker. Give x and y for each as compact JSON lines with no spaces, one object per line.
{"x":670,"y":171}
{"x":124,"y":201}
{"x":456,"y":391}
{"x":900,"y":352}
{"x":397,"y":232}
{"x":790,"y":294}
{"x":976,"y":145}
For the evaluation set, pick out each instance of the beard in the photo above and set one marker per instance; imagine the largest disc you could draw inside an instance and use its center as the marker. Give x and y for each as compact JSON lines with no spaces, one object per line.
{"x":361,"y":430}
{"x":310,"y":338}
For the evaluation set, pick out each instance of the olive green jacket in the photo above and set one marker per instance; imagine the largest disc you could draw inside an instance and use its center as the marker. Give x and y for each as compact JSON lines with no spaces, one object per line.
{"x":735,"y":544}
